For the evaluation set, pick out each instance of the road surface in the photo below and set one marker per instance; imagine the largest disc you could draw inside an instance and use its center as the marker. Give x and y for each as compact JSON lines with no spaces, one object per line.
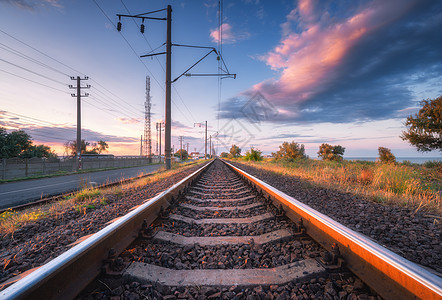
{"x":21,"y":192}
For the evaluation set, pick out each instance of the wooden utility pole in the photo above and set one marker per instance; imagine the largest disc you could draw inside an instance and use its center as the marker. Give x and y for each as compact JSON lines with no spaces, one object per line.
{"x":79,"y":96}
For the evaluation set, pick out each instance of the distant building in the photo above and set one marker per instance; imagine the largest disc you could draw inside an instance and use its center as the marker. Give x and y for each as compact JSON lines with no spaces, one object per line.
{"x":194,"y":155}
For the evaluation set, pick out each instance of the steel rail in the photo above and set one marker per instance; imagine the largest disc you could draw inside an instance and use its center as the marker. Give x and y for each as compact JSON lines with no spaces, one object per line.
{"x":389,"y":274}
{"x":66,"y":275}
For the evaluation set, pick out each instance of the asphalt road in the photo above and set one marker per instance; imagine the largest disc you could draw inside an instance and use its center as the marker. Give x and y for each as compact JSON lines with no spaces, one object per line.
{"x":21,"y":192}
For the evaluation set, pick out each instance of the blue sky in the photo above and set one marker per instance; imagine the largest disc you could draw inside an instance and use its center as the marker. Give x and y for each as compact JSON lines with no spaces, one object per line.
{"x":338,"y":72}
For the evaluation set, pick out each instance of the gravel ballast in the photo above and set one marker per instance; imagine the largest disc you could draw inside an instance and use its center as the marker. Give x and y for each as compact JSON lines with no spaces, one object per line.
{"x":415,"y":236}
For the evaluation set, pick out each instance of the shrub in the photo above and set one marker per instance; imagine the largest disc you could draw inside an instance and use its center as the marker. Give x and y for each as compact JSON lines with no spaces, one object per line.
{"x":224,"y":155}
{"x":385,"y":155}
{"x":253,"y":154}
{"x":290,"y":151}
{"x":433,"y":164}
{"x":329,"y":152}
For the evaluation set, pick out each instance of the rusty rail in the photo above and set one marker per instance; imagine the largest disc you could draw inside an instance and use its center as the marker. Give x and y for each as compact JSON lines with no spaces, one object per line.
{"x":66,"y":275}
{"x":389,"y":274}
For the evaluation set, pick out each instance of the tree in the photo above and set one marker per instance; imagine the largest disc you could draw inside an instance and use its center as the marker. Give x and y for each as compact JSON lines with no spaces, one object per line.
{"x":19,"y":144}
{"x":329,"y":152}
{"x":235,"y":151}
{"x":182,"y":152}
{"x":425,"y":128}
{"x":38,"y":151}
{"x":70,"y":147}
{"x":224,"y":154}
{"x":253,"y":154}
{"x":385,"y":155}
{"x":290,"y":151}
{"x":98,"y":147}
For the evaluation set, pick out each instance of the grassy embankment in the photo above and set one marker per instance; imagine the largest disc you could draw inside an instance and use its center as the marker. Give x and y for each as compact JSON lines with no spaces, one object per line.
{"x":411,"y":185}
{"x":82,"y":201}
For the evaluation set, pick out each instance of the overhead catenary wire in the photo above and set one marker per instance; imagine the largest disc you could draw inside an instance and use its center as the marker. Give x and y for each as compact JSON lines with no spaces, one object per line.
{"x":133,"y":50}
{"x":162,"y":67}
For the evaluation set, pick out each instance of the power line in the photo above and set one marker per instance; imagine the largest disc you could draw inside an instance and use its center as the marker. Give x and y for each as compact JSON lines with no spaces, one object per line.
{"x":42,"y":84}
{"x":22,"y":55}
{"x":76,"y":71}
{"x":136,"y":109}
{"x":36,"y":73}
{"x":111,"y":102}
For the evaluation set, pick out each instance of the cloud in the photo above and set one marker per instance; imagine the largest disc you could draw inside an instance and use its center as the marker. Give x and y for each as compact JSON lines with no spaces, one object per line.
{"x":32,"y":5}
{"x":228,"y":37}
{"x":126,"y":120}
{"x":355,"y":62}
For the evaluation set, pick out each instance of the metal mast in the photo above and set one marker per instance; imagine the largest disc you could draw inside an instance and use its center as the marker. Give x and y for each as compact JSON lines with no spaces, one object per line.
{"x":147,"y":121}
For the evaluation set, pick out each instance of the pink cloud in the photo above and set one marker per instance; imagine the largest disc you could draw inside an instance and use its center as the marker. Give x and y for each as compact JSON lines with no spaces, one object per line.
{"x":126,"y":120}
{"x":228,"y":37}
{"x":309,"y":60}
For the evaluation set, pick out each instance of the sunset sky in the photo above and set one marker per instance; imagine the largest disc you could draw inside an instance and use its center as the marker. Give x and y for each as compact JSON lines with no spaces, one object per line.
{"x":341,"y":72}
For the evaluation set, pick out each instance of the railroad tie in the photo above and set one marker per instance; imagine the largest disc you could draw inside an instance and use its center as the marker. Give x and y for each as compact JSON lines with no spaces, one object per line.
{"x":300,"y":270}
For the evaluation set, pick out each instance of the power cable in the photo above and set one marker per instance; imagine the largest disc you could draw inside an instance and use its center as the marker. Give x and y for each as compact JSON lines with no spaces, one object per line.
{"x":42,"y":84}
{"x":76,"y":71}
{"x":36,"y":73}
{"x":22,"y":55}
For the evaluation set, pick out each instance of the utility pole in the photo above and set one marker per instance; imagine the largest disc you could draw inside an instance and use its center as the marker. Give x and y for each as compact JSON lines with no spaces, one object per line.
{"x":210,"y":147}
{"x":181,"y":139}
{"x":205,"y":137}
{"x":79,"y":96}
{"x":168,"y":129}
{"x":159,"y":129}
{"x":187,"y":149}
{"x":169,"y":81}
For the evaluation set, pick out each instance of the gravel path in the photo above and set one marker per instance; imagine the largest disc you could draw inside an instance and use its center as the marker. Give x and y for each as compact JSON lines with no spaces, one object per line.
{"x":415,"y":236}
{"x":37,"y":243}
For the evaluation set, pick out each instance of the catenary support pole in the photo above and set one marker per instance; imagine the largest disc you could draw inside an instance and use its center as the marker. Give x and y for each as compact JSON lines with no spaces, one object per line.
{"x":167,"y":133}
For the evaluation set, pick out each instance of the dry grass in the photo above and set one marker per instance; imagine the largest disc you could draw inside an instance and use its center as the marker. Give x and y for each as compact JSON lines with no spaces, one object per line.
{"x":82,"y":201}
{"x":410,"y":185}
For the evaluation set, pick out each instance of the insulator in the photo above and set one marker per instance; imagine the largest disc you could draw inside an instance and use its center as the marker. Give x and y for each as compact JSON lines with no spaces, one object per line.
{"x":142,"y":28}
{"x":119,"y":26}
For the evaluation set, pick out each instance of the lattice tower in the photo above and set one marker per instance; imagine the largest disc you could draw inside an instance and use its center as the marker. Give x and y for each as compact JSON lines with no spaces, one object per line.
{"x":147,"y":121}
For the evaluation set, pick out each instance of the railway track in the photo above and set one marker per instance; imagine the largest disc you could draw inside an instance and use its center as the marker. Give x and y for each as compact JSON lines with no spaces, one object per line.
{"x":222,"y":234}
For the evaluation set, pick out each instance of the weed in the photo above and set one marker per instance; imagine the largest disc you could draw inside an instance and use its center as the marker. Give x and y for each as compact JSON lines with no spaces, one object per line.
{"x":87,"y":194}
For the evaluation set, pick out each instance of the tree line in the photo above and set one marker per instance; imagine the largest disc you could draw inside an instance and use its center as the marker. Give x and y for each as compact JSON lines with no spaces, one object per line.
{"x":19,"y":144}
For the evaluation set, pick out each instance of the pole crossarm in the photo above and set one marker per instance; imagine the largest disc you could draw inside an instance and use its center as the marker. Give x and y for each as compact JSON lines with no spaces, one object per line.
{"x":153,"y":54}
{"x":141,"y":17}
{"x":193,"y":46}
